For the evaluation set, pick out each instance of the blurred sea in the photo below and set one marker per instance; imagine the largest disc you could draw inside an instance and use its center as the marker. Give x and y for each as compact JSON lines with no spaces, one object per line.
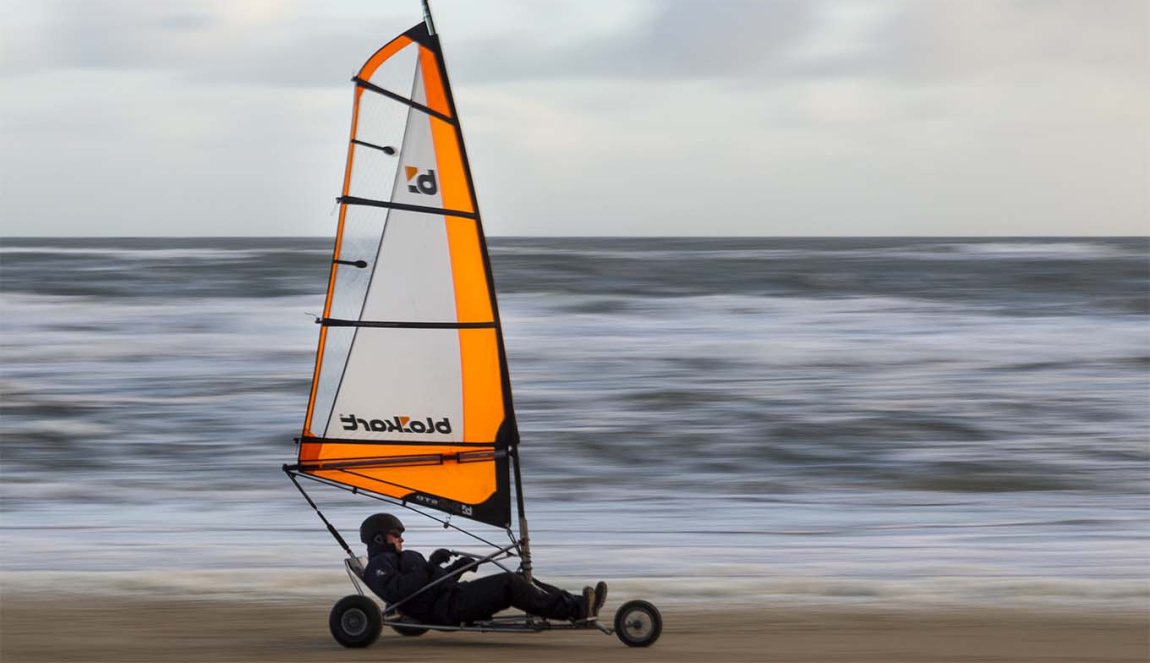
{"x":877,"y":421}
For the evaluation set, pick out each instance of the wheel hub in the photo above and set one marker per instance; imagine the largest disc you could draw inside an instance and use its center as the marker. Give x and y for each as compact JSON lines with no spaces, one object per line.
{"x":354,"y":622}
{"x":637,"y":624}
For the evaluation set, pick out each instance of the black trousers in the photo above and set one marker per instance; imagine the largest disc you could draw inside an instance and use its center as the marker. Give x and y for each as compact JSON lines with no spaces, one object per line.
{"x":482,"y":598}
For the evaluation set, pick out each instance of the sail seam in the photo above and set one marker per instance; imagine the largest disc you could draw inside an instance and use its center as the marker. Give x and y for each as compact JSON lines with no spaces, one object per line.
{"x":368,"y":202}
{"x":401,"y":99}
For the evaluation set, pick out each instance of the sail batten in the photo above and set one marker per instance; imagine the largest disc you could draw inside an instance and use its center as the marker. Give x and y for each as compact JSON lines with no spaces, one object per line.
{"x":410,"y":352}
{"x":403,"y":100}
{"x":402,"y":461}
{"x":367,"y":202}
{"x":389,"y":324}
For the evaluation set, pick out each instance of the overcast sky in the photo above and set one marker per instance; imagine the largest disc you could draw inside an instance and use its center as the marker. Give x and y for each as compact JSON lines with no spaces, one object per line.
{"x":585,"y":117}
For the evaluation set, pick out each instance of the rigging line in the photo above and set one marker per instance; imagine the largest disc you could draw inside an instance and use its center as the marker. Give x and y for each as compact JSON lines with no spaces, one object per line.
{"x":319,"y":513}
{"x":403,"y":100}
{"x":419,"y":495}
{"x":368,"y":202}
{"x":367,"y":492}
{"x":366,"y":477}
{"x":411,"y":491}
{"x":387,"y":324}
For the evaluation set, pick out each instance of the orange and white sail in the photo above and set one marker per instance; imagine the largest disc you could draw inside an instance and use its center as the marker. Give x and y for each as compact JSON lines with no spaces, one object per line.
{"x":411,"y":398}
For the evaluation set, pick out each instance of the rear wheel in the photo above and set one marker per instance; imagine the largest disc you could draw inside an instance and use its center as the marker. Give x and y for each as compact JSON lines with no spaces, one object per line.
{"x":355,"y":621}
{"x":638,"y":624}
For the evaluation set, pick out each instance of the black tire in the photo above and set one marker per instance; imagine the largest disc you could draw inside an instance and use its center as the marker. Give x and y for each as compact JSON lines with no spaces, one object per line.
{"x":355,"y":621}
{"x":638,"y":623}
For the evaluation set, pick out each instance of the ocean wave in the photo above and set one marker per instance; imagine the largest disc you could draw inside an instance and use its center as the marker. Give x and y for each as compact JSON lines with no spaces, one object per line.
{"x":1066,"y":250}
{"x":47,"y":429}
{"x":802,"y":250}
{"x":158,"y":253}
{"x":722,"y":399}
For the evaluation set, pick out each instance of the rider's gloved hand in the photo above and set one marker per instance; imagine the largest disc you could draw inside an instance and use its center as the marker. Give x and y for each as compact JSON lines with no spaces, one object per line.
{"x":460,"y":563}
{"x":440,"y":557}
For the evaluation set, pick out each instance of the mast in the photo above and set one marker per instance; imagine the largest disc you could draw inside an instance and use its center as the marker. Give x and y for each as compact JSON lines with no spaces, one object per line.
{"x":427,"y":18}
{"x":513,"y":445}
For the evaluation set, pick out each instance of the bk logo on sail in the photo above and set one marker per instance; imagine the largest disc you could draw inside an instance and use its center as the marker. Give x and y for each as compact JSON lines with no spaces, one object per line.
{"x":423,"y":183}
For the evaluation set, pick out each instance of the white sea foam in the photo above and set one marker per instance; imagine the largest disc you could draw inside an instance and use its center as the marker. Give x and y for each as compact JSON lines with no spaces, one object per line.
{"x":1051,"y":250}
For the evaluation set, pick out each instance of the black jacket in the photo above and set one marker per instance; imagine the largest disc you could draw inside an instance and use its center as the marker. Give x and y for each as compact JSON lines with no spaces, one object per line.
{"x":395,"y":576}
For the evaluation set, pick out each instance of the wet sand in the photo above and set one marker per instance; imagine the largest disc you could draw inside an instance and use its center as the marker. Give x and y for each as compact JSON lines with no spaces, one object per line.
{"x":120,"y":629}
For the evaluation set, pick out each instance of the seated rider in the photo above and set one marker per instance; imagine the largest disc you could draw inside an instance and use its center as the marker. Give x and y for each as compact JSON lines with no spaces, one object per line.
{"x":394,"y":574}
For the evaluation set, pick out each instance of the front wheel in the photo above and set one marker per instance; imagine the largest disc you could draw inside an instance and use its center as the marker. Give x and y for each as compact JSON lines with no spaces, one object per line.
{"x":638,"y":623}
{"x":355,"y":621}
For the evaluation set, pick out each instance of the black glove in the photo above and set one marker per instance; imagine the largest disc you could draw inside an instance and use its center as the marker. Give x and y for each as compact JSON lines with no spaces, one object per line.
{"x":462,"y":562}
{"x":440,"y":557}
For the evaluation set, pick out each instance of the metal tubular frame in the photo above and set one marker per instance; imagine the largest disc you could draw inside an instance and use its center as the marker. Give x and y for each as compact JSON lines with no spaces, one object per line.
{"x":391,"y":615}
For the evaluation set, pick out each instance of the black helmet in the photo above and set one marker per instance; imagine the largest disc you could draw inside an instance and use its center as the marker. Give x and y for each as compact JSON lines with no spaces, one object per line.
{"x":378,"y":525}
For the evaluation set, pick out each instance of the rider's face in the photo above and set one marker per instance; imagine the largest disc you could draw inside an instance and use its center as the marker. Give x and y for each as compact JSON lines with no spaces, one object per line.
{"x":395,"y":538}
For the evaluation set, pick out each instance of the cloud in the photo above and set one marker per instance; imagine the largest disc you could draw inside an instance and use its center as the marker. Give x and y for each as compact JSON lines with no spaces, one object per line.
{"x":911,"y":41}
{"x":928,"y":41}
{"x":674,"y":39}
{"x":301,"y":43}
{"x":270,"y":42}
{"x":118,"y":34}
{"x":643,"y":117}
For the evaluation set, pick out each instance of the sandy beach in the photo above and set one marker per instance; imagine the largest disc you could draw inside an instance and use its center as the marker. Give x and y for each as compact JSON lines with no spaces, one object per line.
{"x":120,"y":629}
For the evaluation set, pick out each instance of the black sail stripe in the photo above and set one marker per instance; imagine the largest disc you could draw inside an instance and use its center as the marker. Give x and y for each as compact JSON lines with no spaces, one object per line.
{"x":389,"y":324}
{"x":402,"y":99}
{"x":368,"y":202}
